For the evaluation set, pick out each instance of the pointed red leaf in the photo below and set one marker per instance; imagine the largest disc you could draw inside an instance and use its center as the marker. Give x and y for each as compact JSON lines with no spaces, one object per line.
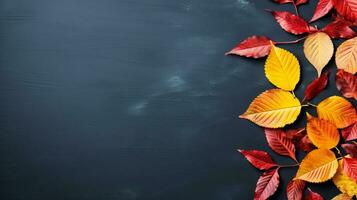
{"x":346,"y":83}
{"x":350,"y":149}
{"x":295,"y":189}
{"x":295,"y":134}
{"x":305,"y":144}
{"x":350,"y":133}
{"x":322,"y":8}
{"x":350,"y":167}
{"x":292,"y":23}
{"x":254,"y":46}
{"x":280,"y":143}
{"x":313,"y":196}
{"x":259,"y":159}
{"x":299,"y":2}
{"x":347,"y":9}
{"x":283,"y":1}
{"x":339,"y":28}
{"x":267,"y":184}
{"x":316,"y":86}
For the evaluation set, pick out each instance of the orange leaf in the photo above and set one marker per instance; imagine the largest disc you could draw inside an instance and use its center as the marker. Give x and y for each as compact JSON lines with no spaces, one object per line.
{"x":346,"y":56}
{"x":344,"y":183}
{"x":342,"y":197}
{"x":318,"y":166}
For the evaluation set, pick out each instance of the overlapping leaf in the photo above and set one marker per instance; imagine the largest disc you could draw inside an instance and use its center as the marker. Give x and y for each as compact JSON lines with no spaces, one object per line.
{"x":318,"y":166}
{"x":282,"y":68}
{"x":350,"y":133}
{"x":305,"y":144}
{"x":254,"y":46}
{"x":339,"y":28}
{"x":295,"y":189}
{"x":342,"y":197}
{"x":322,"y":8}
{"x":350,"y":167}
{"x":259,"y":159}
{"x":267,"y":184}
{"x":344,"y":183}
{"x":346,"y":83}
{"x":350,"y":149}
{"x":318,"y":49}
{"x":338,"y":111}
{"x":347,"y":9}
{"x":313,"y":195}
{"x":316,"y":87}
{"x":280,"y":143}
{"x":346,"y":55}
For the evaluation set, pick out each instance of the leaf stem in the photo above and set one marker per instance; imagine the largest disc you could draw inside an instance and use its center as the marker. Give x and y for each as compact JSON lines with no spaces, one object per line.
{"x":291,"y":42}
{"x":294,"y":165}
{"x":310,"y":104}
{"x":338,"y":151}
{"x":295,"y":7}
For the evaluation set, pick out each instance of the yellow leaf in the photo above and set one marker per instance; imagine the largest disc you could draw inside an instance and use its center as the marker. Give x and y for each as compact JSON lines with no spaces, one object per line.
{"x":344,"y":183}
{"x":318,"y":49}
{"x":338,"y":111}
{"x":346,"y":56}
{"x":273,"y":109}
{"x":282,"y":69}
{"x":318,"y":166}
{"x":342,"y":197}
{"x":322,"y":133}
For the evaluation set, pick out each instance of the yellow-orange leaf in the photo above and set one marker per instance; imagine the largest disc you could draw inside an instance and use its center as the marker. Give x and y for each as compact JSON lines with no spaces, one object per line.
{"x":282,"y":68}
{"x":338,"y":111}
{"x":342,"y":197}
{"x":346,"y":56}
{"x":273,"y":109}
{"x":322,"y":133}
{"x":318,"y":49}
{"x":318,"y":166}
{"x":344,"y":183}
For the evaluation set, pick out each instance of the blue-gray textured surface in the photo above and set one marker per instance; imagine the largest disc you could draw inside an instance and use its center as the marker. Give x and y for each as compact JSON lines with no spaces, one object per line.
{"x":133,"y":99}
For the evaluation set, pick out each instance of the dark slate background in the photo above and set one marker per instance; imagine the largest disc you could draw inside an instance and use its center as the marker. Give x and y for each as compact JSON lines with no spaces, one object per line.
{"x":133,"y":99}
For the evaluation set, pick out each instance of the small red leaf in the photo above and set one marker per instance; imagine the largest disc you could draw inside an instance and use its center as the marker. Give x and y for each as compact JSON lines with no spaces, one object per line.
{"x":316,"y":86}
{"x":339,"y":28}
{"x":283,"y":1}
{"x":350,"y":167}
{"x":313,"y":196}
{"x":322,"y":8}
{"x":280,"y":143}
{"x":347,"y":9}
{"x":299,"y":2}
{"x":259,"y":159}
{"x":292,"y":23}
{"x":305,"y":144}
{"x":350,"y":133}
{"x":351,"y":149}
{"x":267,"y":184}
{"x":295,"y":134}
{"x":254,"y":46}
{"x":295,"y":189}
{"x":346,"y":83}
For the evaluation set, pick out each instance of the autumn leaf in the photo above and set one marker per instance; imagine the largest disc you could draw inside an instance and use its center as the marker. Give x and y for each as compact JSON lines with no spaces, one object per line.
{"x":350,"y":149}
{"x":350,"y":167}
{"x":322,"y":133}
{"x":346,"y":55}
{"x":322,"y":8}
{"x":339,"y":28}
{"x":346,"y":83}
{"x":347,"y":9}
{"x":342,"y":197}
{"x":259,"y":159}
{"x":295,"y":189}
{"x":299,"y":2}
{"x":316,"y":87}
{"x":292,"y":23}
{"x":282,"y":68}
{"x":318,"y":166}
{"x":350,"y":133}
{"x":295,"y":134}
{"x":254,"y":46}
{"x":318,"y":49}
{"x":267,"y":184}
{"x":305,"y":144}
{"x":313,"y":195}
{"x":344,"y":183}
{"x":273,"y":109}
{"x":283,"y":1}
{"x":338,"y":111}
{"x":280,"y":143}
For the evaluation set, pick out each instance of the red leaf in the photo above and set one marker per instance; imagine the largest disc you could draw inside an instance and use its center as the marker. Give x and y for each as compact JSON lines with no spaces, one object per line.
{"x":280,"y":143}
{"x":295,"y":134}
{"x":346,"y":83}
{"x":305,"y":144}
{"x":295,"y":189}
{"x":313,"y":196}
{"x":351,"y":149}
{"x":267,"y":184}
{"x":350,"y":133}
{"x":292,"y":23}
{"x":283,"y":1}
{"x":347,"y":9}
{"x":259,"y":159}
{"x":339,"y":28}
{"x":254,"y":46}
{"x":316,"y":86}
{"x":299,"y":2}
{"x":322,"y":8}
{"x":350,"y":167}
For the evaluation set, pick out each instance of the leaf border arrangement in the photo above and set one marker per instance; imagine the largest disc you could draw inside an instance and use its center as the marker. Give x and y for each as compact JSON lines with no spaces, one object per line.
{"x":329,"y":139}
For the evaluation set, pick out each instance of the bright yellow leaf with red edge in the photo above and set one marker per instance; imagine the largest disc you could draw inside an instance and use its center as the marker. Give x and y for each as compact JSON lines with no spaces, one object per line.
{"x":338,"y":111}
{"x":318,"y":49}
{"x":322,"y":133}
{"x":342,"y":197}
{"x":318,"y":166}
{"x":282,"y":68}
{"x":273,"y":108}
{"x":346,"y":56}
{"x":344,"y":183}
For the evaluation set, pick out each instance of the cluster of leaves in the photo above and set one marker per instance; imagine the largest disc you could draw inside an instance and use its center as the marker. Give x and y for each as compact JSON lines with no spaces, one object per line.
{"x":335,"y":126}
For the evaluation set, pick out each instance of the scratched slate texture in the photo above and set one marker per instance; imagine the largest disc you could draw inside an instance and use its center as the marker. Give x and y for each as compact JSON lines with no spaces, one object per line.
{"x":133,"y":99}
